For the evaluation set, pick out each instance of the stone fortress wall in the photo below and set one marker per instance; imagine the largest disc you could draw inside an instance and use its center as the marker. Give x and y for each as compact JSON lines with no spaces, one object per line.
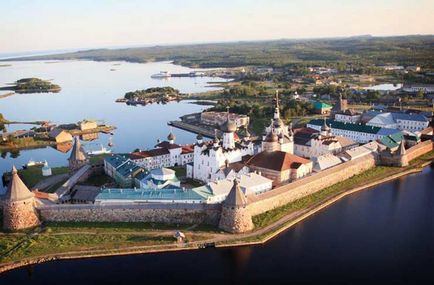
{"x":204,"y":213}
{"x":308,"y":185}
{"x":419,"y":149}
{"x":212,"y":213}
{"x":151,"y":213}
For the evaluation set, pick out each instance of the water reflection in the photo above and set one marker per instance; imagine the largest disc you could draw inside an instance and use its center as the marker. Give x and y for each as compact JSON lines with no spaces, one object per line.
{"x":63,"y":147}
{"x":89,"y":137}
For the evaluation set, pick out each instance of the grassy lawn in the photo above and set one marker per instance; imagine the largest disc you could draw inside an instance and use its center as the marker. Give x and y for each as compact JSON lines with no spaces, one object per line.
{"x":95,"y":159}
{"x":98,"y":180}
{"x":70,"y":236}
{"x":179,"y":171}
{"x":32,"y":175}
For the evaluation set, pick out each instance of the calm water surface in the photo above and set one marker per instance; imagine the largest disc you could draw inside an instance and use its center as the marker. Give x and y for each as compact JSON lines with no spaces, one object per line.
{"x":385,"y":235}
{"x":89,"y":90}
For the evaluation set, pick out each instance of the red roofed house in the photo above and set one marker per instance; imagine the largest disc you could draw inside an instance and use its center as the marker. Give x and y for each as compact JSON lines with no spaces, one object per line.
{"x":280,"y":166}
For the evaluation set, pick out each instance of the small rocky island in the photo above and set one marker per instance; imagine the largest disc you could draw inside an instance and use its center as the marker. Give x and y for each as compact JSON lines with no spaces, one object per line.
{"x":32,"y":85}
{"x":151,"y":95}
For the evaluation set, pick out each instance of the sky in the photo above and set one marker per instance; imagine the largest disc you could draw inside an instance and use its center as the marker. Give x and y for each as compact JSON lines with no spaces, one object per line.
{"x":42,"y":25}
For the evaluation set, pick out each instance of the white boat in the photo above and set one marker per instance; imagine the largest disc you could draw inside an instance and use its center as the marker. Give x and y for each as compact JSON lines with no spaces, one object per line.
{"x":33,"y":163}
{"x":161,"y":74}
{"x":101,"y":150}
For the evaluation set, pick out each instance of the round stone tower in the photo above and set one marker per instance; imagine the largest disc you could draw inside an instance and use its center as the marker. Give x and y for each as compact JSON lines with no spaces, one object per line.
{"x":235,"y":217}
{"x":19,"y":205}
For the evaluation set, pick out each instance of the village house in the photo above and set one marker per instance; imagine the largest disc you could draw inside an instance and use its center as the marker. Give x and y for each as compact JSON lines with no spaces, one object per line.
{"x":59,"y":135}
{"x":87,"y":125}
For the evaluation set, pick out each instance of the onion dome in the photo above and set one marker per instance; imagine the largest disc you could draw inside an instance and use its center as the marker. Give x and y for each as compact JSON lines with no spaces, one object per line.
{"x":199,"y":137}
{"x":171,"y":137}
{"x":324,"y":127}
{"x":277,"y":123}
{"x":228,"y":127}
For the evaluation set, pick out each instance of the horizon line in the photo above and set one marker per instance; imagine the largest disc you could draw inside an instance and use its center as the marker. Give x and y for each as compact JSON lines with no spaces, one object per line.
{"x":21,"y":54}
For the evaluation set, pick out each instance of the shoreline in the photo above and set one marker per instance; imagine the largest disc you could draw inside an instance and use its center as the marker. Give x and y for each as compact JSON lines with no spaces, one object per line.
{"x":263,"y":234}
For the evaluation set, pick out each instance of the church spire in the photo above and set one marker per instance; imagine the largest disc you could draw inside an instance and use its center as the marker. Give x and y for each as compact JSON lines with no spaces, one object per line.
{"x":276,"y":110}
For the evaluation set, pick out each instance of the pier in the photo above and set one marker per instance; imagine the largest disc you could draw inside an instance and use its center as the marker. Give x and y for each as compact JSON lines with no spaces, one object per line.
{"x":206,"y":131}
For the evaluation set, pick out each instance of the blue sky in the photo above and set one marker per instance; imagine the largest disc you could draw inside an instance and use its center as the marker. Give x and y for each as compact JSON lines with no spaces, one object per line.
{"x":29,"y":25}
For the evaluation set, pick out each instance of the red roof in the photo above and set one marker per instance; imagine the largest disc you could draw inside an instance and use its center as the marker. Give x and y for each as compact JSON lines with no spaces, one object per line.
{"x":277,"y":160}
{"x":188,"y":148}
{"x":149,"y":153}
{"x":167,"y":145}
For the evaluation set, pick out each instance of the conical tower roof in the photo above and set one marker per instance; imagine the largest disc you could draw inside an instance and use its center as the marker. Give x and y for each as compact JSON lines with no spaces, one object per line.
{"x":401,"y":149}
{"x":17,"y":190}
{"x":77,"y":153}
{"x":235,"y":197}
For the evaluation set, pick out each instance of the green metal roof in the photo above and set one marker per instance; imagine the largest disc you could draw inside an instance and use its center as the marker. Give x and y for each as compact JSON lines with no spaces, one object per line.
{"x":346,"y":126}
{"x":392,"y":141}
{"x":321,"y":105}
{"x":148,"y":194}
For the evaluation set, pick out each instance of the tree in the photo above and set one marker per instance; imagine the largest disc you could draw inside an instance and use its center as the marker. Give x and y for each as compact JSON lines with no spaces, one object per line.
{"x":420,"y":94}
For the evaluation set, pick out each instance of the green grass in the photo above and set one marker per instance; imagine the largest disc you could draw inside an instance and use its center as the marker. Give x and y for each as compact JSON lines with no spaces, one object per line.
{"x":95,"y":159}
{"x":48,"y":243}
{"x":32,"y":175}
{"x":73,"y":236}
{"x":98,"y":180}
{"x":179,"y":171}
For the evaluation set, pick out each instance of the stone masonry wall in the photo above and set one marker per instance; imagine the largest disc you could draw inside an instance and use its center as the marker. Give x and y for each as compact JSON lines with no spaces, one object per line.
{"x":236,"y":220}
{"x":19,"y":215}
{"x":419,"y":149}
{"x":309,"y":185}
{"x":155,"y":213}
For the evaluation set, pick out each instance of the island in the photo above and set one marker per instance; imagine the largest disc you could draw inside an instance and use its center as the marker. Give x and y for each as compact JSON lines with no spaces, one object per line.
{"x":151,"y":95}
{"x":32,"y":85}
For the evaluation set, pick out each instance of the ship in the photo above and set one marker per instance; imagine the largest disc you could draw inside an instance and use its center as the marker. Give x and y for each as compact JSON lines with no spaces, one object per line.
{"x":161,"y":74}
{"x":101,"y":150}
{"x":33,"y":163}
